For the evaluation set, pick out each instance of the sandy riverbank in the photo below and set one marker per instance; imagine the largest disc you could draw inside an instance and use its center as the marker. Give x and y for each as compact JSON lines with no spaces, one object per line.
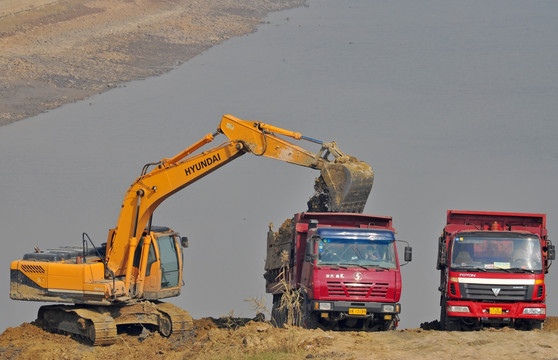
{"x":57,"y":52}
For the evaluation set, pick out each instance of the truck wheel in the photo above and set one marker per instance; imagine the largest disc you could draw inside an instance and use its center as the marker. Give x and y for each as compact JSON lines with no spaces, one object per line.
{"x":528,"y":325}
{"x":537,"y":325}
{"x":448,"y":323}
{"x":451,"y":324}
{"x":390,"y":325}
{"x":278,"y":317}
{"x":310,"y":319}
{"x":443,"y":315}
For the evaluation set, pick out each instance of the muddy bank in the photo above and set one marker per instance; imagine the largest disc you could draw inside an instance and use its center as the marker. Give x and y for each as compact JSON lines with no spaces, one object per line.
{"x":57,"y":52}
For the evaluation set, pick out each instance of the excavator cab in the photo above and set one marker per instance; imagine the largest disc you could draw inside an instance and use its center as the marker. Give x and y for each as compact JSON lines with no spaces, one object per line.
{"x":163,"y":266}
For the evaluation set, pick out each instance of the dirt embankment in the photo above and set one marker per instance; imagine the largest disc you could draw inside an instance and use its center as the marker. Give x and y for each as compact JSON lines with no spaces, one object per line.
{"x":212,"y":340}
{"x":56,"y":52}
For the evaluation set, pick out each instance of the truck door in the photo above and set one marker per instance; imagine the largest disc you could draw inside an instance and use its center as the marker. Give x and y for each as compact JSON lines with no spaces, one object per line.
{"x":170,"y":267}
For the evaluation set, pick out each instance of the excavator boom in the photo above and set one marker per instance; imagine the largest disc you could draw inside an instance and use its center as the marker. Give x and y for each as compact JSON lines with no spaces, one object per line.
{"x":345,"y":181}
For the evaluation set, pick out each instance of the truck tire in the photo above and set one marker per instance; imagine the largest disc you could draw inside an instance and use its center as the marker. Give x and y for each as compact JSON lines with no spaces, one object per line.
{"x":523,"y":324}
{"x":443,"y":315}
{"x":278,"y":316}
{"x":310,"y":319}
{"x":451,"y":324}
{"x":390,"y":325}
{"x":537,"y":325}
{"x":447,"y":323}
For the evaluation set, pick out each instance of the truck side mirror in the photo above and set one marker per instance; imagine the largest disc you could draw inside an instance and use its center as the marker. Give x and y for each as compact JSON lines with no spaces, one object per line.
{"x":441,"y":263}
{"x":310,"y":255}
{"x":408,"y":254}
{"x":551,"y":252}
{"x":184,"y":242}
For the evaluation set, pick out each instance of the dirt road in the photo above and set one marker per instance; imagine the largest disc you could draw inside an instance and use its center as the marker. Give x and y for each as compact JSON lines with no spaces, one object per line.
{"x":57,"y":52}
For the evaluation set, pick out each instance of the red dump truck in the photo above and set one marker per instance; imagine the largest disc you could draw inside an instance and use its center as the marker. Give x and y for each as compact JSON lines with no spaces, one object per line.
{"x":492,"y":270}
{"x":341,"y":270}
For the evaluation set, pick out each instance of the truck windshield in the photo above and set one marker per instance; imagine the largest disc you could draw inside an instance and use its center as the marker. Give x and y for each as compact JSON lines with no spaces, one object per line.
{"x":365,"y":253}
{"x":497,"y":253}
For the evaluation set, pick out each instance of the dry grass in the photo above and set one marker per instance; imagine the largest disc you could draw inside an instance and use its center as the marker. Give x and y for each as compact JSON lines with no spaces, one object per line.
{"x":258,"y":306}
{"x":292,"y":298}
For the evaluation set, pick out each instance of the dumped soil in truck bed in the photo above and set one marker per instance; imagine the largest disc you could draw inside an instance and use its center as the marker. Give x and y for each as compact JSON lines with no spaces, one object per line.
{"x":214,"y":339}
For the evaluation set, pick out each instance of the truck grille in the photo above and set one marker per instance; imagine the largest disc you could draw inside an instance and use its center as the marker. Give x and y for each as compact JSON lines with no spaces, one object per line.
{"x":354,"y":289}
{"x":496,"y":292}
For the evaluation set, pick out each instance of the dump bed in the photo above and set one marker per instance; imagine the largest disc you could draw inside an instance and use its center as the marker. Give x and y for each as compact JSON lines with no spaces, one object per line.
{"x":506,"y":221}
{"x":344,"y":220}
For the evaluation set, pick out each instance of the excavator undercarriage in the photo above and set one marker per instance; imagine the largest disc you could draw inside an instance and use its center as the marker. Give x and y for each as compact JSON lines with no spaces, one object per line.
{"x":98,"y":324}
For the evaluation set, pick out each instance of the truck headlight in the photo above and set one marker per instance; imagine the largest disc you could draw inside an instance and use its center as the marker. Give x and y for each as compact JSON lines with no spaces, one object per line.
{"x":388,"y":308}
{"x":461,"y":309}
{"x":534,"y":311}
{"x":324,"y":306}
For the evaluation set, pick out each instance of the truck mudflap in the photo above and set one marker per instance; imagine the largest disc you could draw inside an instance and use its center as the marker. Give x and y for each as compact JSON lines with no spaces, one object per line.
{"x":98,"y":324}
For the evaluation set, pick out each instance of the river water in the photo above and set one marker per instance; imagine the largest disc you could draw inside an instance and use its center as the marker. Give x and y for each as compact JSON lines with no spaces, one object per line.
{"x":453,"y":104}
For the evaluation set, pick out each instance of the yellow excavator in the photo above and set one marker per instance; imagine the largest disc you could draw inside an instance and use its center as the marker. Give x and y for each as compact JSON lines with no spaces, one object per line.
{"x":122,"y":282}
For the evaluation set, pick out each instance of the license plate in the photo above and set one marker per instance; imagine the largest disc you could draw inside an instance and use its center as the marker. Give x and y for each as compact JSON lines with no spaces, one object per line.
{"x":495,"y":311}
{"x":357,"y":311}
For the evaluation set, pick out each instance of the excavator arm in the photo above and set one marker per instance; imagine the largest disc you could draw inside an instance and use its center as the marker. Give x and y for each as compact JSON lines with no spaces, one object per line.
{"x":345,"y":180}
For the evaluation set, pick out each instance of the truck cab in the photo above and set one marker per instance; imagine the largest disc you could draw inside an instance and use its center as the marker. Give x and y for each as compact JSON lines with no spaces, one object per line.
{"x":493,"y":268}
{"x":347,"y":271}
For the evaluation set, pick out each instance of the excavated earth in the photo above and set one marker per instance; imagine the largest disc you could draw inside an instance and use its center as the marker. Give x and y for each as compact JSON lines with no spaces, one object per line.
{"x":229,"y":338}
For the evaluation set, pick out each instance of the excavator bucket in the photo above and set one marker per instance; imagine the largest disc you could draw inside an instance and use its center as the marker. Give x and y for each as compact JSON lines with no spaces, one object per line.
{"x":344,"y":186}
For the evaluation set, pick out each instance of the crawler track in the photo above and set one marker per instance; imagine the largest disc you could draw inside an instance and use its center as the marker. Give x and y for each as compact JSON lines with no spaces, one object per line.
{"x":98,"y":324}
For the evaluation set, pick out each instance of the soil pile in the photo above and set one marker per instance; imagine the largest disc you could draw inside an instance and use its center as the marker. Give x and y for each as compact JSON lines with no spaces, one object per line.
{"x":216,"y":339}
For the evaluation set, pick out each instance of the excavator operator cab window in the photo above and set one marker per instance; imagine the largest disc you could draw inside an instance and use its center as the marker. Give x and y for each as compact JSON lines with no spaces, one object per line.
{"x":168,"y":253}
